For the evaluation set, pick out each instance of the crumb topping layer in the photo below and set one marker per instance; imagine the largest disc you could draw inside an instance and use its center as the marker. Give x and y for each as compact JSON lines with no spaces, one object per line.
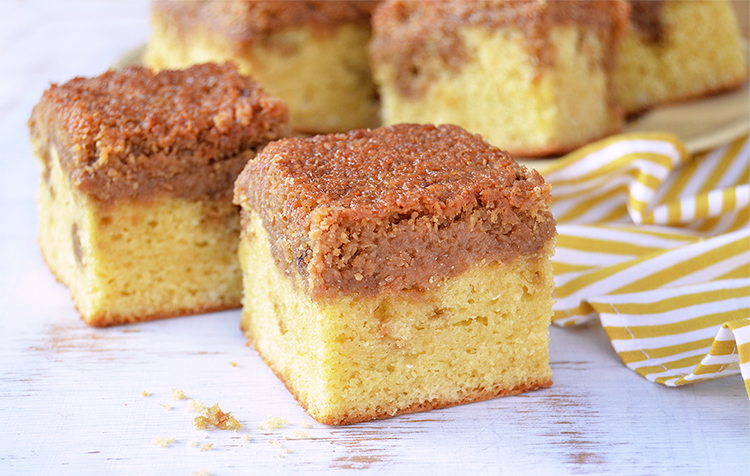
{"x":406,"y":32}
{"x":248,"y":21}
{"x":135,"y":134}
{"x":391,"y":209}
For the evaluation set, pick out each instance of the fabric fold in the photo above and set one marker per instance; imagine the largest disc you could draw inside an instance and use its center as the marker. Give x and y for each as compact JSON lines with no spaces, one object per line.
{"x":656,"y":244}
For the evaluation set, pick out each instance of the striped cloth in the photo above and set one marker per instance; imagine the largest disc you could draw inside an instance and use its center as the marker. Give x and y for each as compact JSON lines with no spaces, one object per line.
{"x":656,"y":244}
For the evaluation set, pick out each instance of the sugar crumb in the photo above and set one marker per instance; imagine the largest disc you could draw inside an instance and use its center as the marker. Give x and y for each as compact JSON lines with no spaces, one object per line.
{"x":163,"y":441}
{"x":217,"y":418}
{"x":196,"y":406}
{"x":273,"y":423}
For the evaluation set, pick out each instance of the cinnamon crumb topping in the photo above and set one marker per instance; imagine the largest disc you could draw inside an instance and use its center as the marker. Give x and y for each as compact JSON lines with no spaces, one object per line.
{"x":136,"y":134}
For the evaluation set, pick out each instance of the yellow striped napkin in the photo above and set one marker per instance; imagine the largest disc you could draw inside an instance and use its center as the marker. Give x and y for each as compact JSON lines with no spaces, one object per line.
{"x":656,"y":244}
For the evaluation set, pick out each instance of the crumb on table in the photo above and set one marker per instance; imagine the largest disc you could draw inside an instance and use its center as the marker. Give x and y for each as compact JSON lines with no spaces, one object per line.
{"x":163,"y":441}
{"x":273,"y":423}
{"x":217,"y":418}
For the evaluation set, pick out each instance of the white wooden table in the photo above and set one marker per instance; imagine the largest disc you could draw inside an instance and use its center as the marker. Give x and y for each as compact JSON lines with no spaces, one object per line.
{"x":71,"y":396}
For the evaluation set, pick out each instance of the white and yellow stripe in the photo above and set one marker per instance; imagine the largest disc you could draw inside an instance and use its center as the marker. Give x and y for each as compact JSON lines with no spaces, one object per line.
{"x":657,"y":245}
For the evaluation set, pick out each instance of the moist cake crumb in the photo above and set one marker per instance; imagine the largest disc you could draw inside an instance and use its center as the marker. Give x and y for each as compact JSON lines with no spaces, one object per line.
{"x":196,"y":406}
{"x":163,"y":441}
{"x":273,"y":423}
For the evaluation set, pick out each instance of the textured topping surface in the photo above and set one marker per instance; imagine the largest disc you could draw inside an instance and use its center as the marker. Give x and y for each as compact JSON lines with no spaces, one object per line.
{"x":135,"y":133}
{"x":406,"y":32}
{"x":393,"y":208}
{"x":245,"y":21}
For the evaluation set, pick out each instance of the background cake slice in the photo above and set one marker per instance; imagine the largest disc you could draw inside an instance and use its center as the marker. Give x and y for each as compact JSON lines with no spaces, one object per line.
{"x":396,"y":270}
{"x":533,"y":77}
{"x":135,"y":202}
{"x":678,"y":50}
{"x":312,"y":54}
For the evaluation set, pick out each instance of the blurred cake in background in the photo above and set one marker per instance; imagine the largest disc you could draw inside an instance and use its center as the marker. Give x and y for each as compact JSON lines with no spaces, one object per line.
{"x":533,"y":78}
{"x":312,"y":54}
{"x":678,"y":50}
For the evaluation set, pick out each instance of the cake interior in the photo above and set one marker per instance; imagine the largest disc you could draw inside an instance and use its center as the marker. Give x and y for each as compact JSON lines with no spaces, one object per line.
{"x":522,"y":107}
{"x":132,"y":261}
{"x":351,"y":358}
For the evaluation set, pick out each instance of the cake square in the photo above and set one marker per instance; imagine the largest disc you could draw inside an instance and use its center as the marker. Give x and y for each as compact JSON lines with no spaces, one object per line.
{"x":533,"y":77}
{"x":678,"y":50}
{"x":311,"y":53}
{"x":396,"y":270}
{"x":135,"y":202}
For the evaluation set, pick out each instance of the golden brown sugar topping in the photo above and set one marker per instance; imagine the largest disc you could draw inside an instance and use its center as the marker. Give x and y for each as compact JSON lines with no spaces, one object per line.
{"x":246,"y":21}
{"x":134,"y":133}
{"x":393,"y":208}
{"x":406,"y":32}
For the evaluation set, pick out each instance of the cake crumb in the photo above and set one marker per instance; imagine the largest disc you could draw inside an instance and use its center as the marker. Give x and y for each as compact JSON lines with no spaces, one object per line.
{"x":246,"y":437}
{"x":163,"y":441}
{"x":145,"y":393}
{"x":275,"y":443}
{"x":192,"y":443}
{"x":301,"y":434}
{"x":196,"y":406}
{"x":166,"y":406}
{"x":178,"y":394}
{"x":217,"y":418}
{"x":273,"y":423}
{"x":233,"y":364}
{"x":203,"y":472}
{"x":305,"y":425}
{"x":207,"y":446}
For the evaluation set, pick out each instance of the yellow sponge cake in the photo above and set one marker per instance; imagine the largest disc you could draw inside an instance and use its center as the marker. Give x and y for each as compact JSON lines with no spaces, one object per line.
{"x":396,"y":270}
{"x":135,"y":203}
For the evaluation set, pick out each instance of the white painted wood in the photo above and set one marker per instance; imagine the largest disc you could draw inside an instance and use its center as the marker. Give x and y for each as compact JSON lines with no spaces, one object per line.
{"x":70,"y":396}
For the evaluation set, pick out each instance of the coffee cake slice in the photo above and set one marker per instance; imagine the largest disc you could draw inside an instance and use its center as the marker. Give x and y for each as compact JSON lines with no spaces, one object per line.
{"x":135,"y":202}
{"x":396,"y":270}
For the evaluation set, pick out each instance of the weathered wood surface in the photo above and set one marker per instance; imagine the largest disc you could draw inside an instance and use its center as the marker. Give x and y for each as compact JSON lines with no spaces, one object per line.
{"x":71,"y":396}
